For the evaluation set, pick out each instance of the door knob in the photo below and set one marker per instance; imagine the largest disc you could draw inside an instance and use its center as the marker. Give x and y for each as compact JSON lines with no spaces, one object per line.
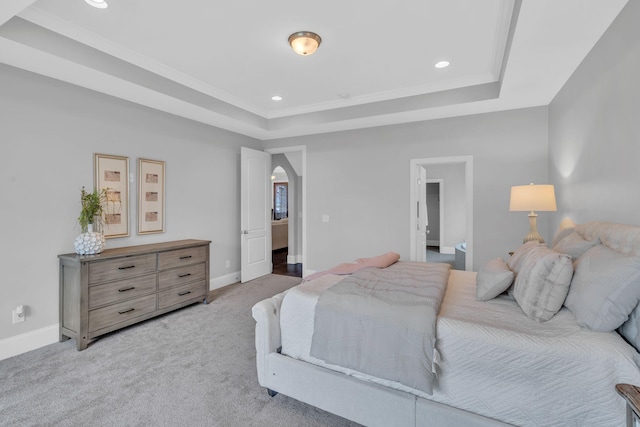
{"x":245,"y":231}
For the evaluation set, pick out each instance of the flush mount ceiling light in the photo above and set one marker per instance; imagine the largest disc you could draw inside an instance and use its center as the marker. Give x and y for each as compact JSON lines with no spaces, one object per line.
{"x":442,"y":64}
{"x":100,"y":4}
{"x":276,"y":98}
{"x":304,"y":42}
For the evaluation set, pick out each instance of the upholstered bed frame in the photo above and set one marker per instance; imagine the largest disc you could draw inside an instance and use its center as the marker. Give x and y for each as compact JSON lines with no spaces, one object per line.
{"x":376,"y":405}
{"x":357,"y":400}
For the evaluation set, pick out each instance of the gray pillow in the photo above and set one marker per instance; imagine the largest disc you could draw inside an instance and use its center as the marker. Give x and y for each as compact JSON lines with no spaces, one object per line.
{"x":630,"y":329}
{"x":574,"y":245}
{"x":542,"y":282}
{"x":520,"y":254}
{"x":605,"y":288}
{"x":493,"y":279}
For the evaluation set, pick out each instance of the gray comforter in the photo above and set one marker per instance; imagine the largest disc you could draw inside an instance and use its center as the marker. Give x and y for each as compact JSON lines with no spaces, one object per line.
{"x":382,"y":322}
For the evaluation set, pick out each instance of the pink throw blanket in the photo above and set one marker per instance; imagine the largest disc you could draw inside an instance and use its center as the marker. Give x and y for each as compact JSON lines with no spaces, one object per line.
{"x":380,"y":261}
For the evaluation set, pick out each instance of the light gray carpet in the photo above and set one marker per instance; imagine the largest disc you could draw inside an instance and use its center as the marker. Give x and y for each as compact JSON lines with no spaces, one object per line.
{"x":192,"y":367}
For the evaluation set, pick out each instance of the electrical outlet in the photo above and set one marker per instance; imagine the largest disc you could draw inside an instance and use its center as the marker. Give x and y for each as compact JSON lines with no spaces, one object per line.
{"x":227,"y":264}
{"x":17,"y":318}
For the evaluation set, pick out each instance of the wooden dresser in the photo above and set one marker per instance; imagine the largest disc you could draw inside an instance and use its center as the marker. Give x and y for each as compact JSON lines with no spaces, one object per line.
{"x":119,"y":287}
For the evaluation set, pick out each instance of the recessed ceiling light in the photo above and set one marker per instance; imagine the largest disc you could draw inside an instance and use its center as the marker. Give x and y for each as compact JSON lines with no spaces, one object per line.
{"x":100,"y":4}
{"x":344,"y":95}
{"x":442,"y":64}
{"x":276,"y":98}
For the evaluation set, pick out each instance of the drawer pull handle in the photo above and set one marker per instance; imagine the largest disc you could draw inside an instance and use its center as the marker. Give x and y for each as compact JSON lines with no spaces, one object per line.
{"x":126,"y":311}
{"x":184,"y":275}
{"x":186,"y":257}
{"x":181,"y":294}
{"x":127,"y":267}
{"x":127,"y":289}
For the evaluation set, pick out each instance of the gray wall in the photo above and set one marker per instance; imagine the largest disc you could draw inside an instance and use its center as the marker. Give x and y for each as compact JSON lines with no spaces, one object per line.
{"x":361,"y":180}
{"x":50,"y":131}
{"x":594,"y":130}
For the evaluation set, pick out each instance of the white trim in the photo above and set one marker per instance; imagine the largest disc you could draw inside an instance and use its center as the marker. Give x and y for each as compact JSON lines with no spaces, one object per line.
{"x":292,"y":259}
{"x":415,"y":165}
{"x":222,"y":281}
{"x":16,"y":345}
{"x":303,"y":148}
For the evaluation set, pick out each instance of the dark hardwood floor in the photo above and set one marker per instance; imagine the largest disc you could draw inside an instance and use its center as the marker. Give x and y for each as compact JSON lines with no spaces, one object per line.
{"x":281,"y":267}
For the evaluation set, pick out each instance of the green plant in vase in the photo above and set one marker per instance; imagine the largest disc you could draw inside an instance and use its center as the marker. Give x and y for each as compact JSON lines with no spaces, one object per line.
{"x":92,"y":208}
{"x":90,"y":241}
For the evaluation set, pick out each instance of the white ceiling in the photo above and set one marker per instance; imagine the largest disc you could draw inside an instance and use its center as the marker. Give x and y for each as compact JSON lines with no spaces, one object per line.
{"x":221,"y":62}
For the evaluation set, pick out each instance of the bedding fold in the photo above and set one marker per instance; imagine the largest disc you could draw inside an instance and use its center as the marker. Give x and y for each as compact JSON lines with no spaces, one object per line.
{"x":382,"y":322}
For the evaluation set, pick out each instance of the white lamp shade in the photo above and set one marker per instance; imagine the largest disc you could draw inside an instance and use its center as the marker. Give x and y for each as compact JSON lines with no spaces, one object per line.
{"x":533,"y":198}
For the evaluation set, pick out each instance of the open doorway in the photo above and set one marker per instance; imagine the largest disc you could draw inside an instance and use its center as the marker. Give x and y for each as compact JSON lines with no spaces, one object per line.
{"x":456,"y":201}
{"x":436,"y":251}
{"x":290,"y":216}
{"x":280,"y":218}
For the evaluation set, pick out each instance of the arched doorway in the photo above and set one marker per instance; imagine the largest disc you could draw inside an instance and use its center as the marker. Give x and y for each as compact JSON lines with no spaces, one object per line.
{"x":282,"y":203}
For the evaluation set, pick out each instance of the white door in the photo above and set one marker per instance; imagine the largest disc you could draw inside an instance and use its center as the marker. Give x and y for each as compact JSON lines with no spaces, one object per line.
{"x":255,"y":218}
{"x":421,"y":212}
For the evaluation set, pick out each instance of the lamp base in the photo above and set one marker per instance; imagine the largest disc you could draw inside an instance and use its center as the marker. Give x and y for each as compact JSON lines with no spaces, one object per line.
{"x":533,"y":230}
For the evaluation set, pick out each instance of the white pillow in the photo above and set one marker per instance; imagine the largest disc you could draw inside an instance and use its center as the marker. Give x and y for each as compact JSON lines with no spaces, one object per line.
{"x":605,"y":288}
{"x":542,"y":282}
{"x":493,"y":279}
{"x":561,"y":234}
{"x":574,"y":245}
{"x":521,"y":253}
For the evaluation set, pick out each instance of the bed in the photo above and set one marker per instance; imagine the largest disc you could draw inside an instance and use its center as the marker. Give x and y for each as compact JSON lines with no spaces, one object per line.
{"x":501,"y":361}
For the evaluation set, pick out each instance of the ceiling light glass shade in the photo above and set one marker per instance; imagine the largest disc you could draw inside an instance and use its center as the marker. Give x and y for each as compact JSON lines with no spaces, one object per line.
{"x":100,"y":4}
{"x":304,"y":42}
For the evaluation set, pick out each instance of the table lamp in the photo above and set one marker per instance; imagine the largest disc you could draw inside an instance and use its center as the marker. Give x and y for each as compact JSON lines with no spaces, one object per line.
{"x":532,"y":198}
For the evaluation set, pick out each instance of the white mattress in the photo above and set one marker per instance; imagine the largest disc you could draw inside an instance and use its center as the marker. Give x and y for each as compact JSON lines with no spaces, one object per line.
{"x":497,"y":362}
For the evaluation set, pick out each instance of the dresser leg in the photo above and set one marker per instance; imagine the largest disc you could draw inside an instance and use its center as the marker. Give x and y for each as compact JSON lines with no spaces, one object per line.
{"x":82,"y":343}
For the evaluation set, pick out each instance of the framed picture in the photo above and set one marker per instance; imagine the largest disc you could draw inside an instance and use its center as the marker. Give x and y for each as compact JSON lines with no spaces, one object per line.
{"x":150,"y":196}
{"x":112,"y":175}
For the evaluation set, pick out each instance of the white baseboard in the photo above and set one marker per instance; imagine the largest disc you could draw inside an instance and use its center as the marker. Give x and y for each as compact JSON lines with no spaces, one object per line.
{"x":294,"y":259}
{"x":433,"y":242}
{"x":222,"y":281}
{"x":447,"y":250}
{"x":13,"y":346}
{"x":28,"y":341}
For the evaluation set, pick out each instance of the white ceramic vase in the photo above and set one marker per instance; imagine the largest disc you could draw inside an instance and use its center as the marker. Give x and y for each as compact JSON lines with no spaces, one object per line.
{"x":89,"y":243}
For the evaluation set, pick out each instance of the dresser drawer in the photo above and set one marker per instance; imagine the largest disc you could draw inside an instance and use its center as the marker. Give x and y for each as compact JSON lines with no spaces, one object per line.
{"x":121,"y":290}
{"x":121,"y":312}
{"x":179,"y":257}
{"x":181,"y":275}
{"x":121,"y":268}
{"x":172,"y":296}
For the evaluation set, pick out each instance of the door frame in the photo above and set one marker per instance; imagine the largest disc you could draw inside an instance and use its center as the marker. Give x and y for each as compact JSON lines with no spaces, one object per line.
{"x":303,"y":150}
{"x":415,"y":166}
